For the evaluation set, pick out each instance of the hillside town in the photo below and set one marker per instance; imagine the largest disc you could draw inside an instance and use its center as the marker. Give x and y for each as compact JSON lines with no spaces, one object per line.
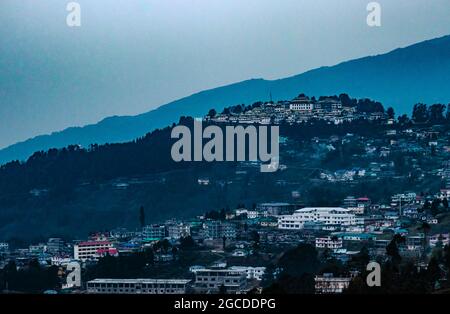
{"x":299,"y":110}
{"x":234,"y":237}
{"x":320,"y":226}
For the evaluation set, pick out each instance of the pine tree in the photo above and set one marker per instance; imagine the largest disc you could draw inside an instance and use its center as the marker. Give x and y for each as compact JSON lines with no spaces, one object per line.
{"x":142,"y":216}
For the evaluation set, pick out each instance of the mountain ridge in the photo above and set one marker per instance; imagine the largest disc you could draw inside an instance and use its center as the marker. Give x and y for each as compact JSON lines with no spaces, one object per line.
{"x":399,"y":78}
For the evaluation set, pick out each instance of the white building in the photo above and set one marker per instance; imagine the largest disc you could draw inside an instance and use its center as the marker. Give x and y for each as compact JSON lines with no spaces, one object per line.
{"x":328,"y":284}
{"x":211,"y":280}
{"x":137,"y":286}
{"x":326,"y":215}
{"x":37,"y":248}
{"x":178,"y":230}
{"x":154,"y":232}
{"x":301,"y":103}
{"x":443,"y":238}
{"x":4,"y":246}
{"x":93,"y":249}
{"x":301,"y":106}
{"x":329,"y":243}
{"x":251,"y":214}
{"x":60,"y":261}
{"x":252,"y":272}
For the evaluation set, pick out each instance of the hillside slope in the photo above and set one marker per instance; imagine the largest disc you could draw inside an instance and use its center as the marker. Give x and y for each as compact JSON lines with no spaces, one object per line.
{"x":401,"y":78}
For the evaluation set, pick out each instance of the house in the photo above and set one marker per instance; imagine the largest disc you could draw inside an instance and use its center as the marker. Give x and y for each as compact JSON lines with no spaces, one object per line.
{"x":275,"y":209}
{"x":210,"y":280}
{"x":328,"y":243}
{"x":252,"y":272}
{"x":4,"y":247}
{"x":326,"y":215}
{"x":93,"y":249}
{"x":328,"y":284}
{"x":216,"y":229}
{"x":443,"y":238}
{"x":177,"y":230}
{"x":137,"y":286}
{"x":154,"y":232}
{"x":415,"y":242}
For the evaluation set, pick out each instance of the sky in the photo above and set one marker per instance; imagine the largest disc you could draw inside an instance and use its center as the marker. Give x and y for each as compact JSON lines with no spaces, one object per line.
{"x":131,"y":56}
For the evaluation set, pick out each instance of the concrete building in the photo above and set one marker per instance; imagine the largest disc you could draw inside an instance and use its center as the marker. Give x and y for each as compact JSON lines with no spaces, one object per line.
{"x":137,"y":286}
{"x":55,"y":245}
{"x":252,"y":272}
{"x":328,"y":284}
{"x":211,"y":280}
{"x":4,"y":247}
{"x":415,"y":242}
{"x":444,"y":239}
{"x":176,"y":230}
{"x":154,"y":232}
{"x":275,"y":209}
{"x":251,"y":214}
{"x":216,"y":229}
{"x":301,"y":103}
{"x":93,"y":249}
{"x":326,"y":215}
{"x":329,"y":243}
{"x":349,"y":202}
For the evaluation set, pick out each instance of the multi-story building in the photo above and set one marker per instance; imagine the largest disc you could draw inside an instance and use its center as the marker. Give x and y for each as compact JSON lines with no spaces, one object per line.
{"x":301,"y":103}
{"x":228,"y":230}
{"x":154,"y":232}
{"x":212,"y":229}
{"x":328,"y":284}
{"x":37,"y":248}
{"x":215,"y":229}
{"x":326,"y":215}
{"x":138,"y":286}
{"x":252,"y":272}
{"x":329,"y":243}
{"x":275,"y":209}
{"x":349,"y":202}
{"x":443,"y":238}
{"x":177,"y":230}
{"x":4,"y":247}
{"x":211,"y":280}
{"x":55,"y":245}
{"x":403,"y":199}
{"x":93,"y":249}
{"x":415,"y":242}
{"x":328,"y":105}
{"x":251,"y":214}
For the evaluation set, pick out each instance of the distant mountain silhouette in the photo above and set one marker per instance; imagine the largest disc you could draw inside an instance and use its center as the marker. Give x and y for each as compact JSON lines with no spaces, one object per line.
{"x":400,"y":78}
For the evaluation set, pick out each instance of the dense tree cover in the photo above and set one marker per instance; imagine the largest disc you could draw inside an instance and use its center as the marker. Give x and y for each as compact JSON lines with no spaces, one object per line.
{"x":187,"y":243}
{"x":63,"y":172}
{"x":60,"y":170}
{"x":63,"y":169}
{"x":216,"y":215}
{"x":294,"y":272}
{"x":32,"y":279}
{"x":432,"y":114}
{"x":402,"y":276}
{"x":142,"y":216}
{"x":297,"y":268}
{"x":123,"y":266}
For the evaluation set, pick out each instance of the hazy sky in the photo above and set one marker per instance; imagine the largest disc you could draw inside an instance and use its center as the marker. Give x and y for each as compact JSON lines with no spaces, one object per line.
{"x":130,"y":56}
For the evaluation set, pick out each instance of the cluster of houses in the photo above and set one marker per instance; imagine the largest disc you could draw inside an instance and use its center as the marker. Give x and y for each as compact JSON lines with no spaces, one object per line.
{"x":300,"y":109}
{"x":343,"y":231}
{"x":377,"y":158}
